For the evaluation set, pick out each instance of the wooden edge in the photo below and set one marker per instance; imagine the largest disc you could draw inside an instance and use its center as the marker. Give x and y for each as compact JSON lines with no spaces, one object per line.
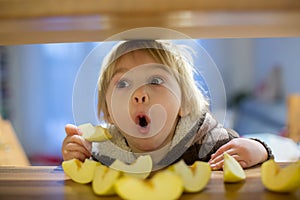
{"x":47,"y":8}
{"x":11,"y":151}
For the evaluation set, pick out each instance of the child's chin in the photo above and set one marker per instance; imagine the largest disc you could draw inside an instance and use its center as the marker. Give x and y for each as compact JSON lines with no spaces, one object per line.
{"x":144,"y":146}
{"x":148,"y":148}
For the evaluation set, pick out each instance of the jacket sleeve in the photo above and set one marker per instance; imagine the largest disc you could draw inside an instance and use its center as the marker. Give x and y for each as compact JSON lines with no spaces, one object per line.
{"x":210,"y":137}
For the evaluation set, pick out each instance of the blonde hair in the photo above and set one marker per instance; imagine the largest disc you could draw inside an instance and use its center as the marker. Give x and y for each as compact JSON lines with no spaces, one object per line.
{"x":177,"y":57}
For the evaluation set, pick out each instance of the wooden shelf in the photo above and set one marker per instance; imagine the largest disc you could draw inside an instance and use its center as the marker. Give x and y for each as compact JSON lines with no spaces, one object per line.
{"x":48,"y":21}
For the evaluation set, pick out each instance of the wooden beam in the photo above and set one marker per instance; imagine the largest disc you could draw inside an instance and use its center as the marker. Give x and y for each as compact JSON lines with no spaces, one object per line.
{"x":47,"y":8}
{"x":53,"y":21}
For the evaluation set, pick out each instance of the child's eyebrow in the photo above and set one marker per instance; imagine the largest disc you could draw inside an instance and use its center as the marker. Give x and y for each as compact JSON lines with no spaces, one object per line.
{"x":153,"y":65}
{"x":163,"y":67}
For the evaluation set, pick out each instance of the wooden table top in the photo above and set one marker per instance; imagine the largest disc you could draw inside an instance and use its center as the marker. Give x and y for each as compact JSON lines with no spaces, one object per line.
{"x":50,"y":182}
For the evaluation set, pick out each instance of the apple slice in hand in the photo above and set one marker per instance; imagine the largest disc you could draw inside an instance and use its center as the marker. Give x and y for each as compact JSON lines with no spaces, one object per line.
{"x":232,"y":170}
{"x":164,"y":185}
{"x":94,"y":133}
{"x":80,"y":172}
{"x":140,"y":168}
{"x":194,"y":177}
{"x":278,"y":179}
{"x":104,"y":180}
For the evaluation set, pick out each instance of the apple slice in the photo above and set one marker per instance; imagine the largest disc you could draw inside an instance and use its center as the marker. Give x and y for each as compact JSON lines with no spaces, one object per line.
{"x":164,"y":185}
{"x":278,"y":179}
{"x":140,"y":168}
{"x":104,"y":180}
{"x":80,"y":172}
{"x":194,"y":177}
{"x":94,"y":133}
{"x":232,"y":170}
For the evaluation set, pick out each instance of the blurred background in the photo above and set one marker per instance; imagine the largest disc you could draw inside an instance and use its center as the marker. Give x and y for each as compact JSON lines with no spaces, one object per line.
{"x":36,"y":85}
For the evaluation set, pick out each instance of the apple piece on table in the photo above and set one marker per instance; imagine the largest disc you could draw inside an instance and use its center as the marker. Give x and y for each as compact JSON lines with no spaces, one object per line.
{"x":194,"y":177}
{"x":232,"y":170}
{"x":140,"y":168}
{"x":94,"y":133}
{"x":80,"y":172}
{"x":164,"y":185}
{"x":276,"y":179}
{"x":104,"y":180}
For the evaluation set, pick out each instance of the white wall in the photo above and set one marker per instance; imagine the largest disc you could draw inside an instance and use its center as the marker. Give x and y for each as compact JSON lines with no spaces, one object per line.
{"x":235,"y":59}
{"x":244,"y":63}
{"x":26,"y":100}
{"x":41,"y":85}
{"x":284,"y":52}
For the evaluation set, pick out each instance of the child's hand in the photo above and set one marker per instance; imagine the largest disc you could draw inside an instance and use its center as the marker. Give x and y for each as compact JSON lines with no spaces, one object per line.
{"x":74,"y":146}
{"x":246,"y":151}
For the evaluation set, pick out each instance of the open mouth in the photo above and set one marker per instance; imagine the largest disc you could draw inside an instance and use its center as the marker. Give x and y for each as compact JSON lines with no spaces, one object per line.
{"x":142,"y":121}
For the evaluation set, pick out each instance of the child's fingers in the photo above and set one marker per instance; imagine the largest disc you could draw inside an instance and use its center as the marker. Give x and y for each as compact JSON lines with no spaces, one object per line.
{"x":216,"y":166}
{"x":243,"y":163}
{"x":73,"y":147}
{"x":75,"y":154}
{"x":80,"y":141}
{"x":225,"y":148}
{"x":219,"y":162}
{"x":72,"y":130}
{"x":77,"y":140}
{"x":216,"y":161}
{"x":87,"y":145}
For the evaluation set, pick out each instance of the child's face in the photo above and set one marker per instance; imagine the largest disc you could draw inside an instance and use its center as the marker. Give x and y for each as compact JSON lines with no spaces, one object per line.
{"x":143,"y":100}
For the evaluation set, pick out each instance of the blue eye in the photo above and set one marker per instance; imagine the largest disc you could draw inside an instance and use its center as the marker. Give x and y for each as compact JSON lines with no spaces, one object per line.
{"x":156,"y":81}
{"x":122,"y":84}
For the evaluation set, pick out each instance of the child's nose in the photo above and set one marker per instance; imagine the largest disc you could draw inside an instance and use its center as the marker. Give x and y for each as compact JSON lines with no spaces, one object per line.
{"x":140,"y":96}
